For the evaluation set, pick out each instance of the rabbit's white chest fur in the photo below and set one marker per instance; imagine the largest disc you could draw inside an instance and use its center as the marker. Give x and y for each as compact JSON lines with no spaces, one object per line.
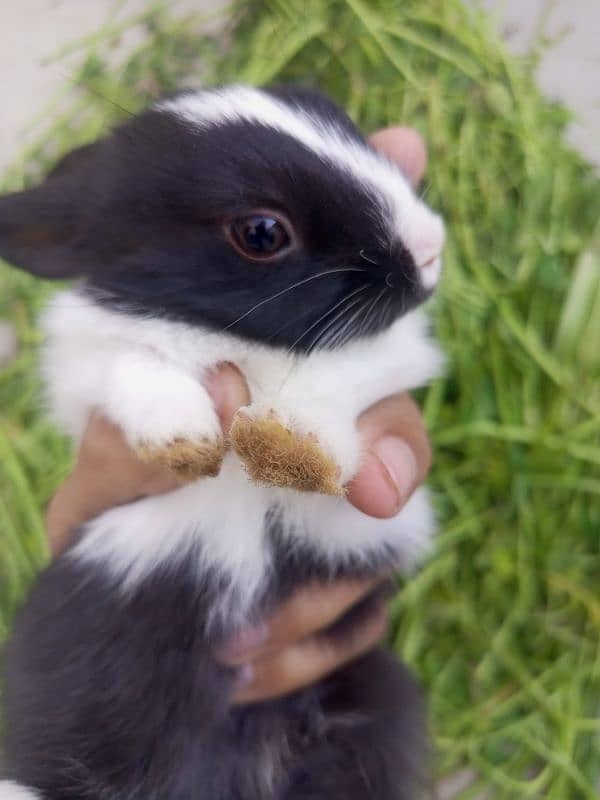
{"x":146,"y":375}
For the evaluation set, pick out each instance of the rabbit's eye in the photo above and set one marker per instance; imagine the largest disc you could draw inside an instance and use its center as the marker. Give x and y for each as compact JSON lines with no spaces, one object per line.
{"x":260,"y":237}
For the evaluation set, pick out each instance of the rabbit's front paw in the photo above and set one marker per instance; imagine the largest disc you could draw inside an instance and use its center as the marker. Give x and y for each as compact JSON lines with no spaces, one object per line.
{"x":167,"y":416}
{"x":187,"y":459}
{"x":274,"y":454}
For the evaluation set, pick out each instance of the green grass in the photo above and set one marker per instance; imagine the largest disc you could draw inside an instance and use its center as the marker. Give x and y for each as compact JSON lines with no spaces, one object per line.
{"x":503,"y":624}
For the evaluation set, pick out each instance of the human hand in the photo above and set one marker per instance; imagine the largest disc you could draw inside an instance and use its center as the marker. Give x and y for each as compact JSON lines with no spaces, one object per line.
{"x":287,"y":652}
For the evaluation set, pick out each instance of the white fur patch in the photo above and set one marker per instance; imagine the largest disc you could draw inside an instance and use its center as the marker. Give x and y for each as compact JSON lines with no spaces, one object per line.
{"x":220,"y":521}
{"x":323,"y":393}
{"x":406,"y":217}
{"x":13,"y":791}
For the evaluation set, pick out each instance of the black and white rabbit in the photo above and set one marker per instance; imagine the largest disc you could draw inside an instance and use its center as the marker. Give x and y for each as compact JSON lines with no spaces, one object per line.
{"x":256,"y":227}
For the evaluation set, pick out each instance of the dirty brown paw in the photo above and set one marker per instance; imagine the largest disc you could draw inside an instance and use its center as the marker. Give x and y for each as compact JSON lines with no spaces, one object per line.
{"x":187,"y":460}
{"x":275,"y":455}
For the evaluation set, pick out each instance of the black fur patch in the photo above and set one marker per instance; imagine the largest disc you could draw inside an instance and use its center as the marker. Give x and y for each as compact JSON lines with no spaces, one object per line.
{"x":113,"y":695}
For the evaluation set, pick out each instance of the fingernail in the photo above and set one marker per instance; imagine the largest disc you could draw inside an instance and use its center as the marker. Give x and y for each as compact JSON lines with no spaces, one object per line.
{"x":228,"y":391}
{"x":400,"y":465}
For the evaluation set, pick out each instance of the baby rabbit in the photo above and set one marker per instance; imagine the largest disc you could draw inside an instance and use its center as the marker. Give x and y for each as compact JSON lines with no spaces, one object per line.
{"x":256,"y":227}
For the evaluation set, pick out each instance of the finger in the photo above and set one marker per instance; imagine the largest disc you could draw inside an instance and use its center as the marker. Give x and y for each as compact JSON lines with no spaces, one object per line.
{"x":62,"y":517}
{"x":229,"y":391}
{"x":310,"y":609}
{"x":107,"y":473}
{"x":307,"y":662}
{"x":405,"y":147}
{"x":397,"y":460}
{"x":105,"y":453}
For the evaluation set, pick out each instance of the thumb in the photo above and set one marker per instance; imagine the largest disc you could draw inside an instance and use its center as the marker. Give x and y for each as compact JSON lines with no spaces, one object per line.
{"x":229,"y":392}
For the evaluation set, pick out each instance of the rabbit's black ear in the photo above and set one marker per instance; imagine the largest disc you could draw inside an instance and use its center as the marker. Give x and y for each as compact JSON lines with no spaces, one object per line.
{"x":41,"y":228}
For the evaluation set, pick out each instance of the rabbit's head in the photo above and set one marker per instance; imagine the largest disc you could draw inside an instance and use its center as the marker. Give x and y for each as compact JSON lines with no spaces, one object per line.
{"x":261,"y":212}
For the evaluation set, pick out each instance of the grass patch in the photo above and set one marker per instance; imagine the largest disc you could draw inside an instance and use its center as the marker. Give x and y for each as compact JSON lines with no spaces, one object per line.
{"x":503,"y":623}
